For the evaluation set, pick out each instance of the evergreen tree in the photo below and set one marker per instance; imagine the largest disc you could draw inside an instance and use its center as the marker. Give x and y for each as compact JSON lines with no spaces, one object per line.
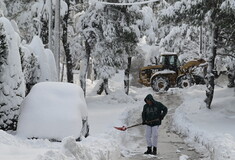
{"x":3,"y":49}
{"x":30,"y":68}
{"x":11,"y":77}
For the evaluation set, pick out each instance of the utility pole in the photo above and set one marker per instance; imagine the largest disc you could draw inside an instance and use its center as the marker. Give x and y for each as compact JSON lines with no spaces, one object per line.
{"x":57,"y":36}
{"x":50,"y":26}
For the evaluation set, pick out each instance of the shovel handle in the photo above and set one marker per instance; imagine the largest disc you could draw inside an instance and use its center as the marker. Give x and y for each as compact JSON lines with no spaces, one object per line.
{"x":141,"y":123}
{"x":134,"y":125}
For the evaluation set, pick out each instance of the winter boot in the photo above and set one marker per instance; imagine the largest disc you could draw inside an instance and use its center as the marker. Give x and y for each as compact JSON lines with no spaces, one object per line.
{"x":154,"y":151}
{"x":149,"y":150}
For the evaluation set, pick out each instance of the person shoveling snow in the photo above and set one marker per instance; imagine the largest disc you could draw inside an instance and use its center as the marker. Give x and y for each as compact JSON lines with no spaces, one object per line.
{"x":152,"y":110}
{"x":152,"y":115}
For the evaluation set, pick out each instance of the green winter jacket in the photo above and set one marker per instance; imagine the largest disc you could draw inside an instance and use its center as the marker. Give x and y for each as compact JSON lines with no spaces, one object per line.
{"x":152,"y":115}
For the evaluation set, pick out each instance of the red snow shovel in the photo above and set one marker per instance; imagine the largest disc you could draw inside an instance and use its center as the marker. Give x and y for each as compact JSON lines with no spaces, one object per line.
{"x":123,"y":128}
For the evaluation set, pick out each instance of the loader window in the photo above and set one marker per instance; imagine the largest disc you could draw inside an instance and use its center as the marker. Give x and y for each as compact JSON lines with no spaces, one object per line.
{"x":172,"y":60}
{"x":169,"y":60}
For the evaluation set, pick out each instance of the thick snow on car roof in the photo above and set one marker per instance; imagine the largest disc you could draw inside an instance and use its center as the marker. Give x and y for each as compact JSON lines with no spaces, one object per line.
{"x":52,"y":110}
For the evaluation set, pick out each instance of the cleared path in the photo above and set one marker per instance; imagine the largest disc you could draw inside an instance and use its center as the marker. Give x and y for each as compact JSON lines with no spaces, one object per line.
{"x":170,"y":146}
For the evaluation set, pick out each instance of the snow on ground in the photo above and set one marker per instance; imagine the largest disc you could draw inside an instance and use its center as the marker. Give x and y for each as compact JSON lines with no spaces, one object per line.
{"x":213,"y":128}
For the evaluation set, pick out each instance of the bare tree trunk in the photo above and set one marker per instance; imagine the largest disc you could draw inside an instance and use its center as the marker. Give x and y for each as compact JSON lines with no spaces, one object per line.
{"x":68,"y":57}
{"x":57,"y":36}
{"x":210,"y":70}
{"x":200,"y":40}
{"x":231,"y":77}
{"x":62,"y":72}
{"x":84,"y":67}
{"x":127,"y":76}
{"x":103,"y":87}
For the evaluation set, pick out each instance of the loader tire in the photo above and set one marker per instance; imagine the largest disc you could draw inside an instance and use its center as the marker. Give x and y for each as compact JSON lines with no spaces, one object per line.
{"x":185,"y":81}
{"x":160,"y":84}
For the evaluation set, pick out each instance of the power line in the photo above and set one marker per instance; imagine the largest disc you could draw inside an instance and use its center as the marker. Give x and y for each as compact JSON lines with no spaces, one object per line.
{"x":127,"y":4}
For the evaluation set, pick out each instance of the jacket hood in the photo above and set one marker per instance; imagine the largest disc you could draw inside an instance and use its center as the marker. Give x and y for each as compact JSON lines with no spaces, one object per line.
{"x":149,"y":97}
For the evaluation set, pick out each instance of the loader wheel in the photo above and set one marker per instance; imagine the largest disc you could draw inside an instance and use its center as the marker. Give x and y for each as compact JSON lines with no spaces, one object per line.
{"x":160,"y":84}
{"x":185,"y":81}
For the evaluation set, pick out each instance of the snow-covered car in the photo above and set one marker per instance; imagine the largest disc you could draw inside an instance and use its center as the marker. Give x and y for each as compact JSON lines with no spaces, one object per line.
{"x":54,"y":110}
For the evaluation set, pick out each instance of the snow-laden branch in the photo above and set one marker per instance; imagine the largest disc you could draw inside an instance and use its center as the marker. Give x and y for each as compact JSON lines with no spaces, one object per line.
{"x":127,"y":4}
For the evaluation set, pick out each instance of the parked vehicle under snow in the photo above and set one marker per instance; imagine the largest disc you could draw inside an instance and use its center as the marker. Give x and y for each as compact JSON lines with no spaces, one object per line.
{"x":54,"y":110}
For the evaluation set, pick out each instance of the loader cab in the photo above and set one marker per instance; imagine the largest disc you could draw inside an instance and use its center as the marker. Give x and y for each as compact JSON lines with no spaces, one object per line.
{"x":170,"y":61}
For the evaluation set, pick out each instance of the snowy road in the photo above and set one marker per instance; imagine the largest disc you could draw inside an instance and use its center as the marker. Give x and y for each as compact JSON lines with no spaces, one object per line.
{"x":171,"y":146}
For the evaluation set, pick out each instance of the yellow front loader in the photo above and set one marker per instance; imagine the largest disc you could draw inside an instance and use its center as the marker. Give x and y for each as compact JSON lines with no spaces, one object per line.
{"x":169,"y":73}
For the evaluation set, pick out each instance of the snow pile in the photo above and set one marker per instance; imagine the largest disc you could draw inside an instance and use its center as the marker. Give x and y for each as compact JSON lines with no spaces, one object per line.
{"x":13,"y":148}
{"x":91,"y":149}
{"x":183,"y":157}
{"x":213,"y":128}
{"x":52,"y":110}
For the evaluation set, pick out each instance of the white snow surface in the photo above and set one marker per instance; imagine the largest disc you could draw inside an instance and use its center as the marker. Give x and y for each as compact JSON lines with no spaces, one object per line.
{"x":212,"y":128}
{"x":52,"y":110}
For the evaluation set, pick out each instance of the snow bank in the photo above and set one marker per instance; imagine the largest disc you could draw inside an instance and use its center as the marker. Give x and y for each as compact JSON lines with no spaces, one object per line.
{"x":13,"y":148}
{"x":52,"y":110}
{"x":91,"y":149}
{"x":213,"y":128}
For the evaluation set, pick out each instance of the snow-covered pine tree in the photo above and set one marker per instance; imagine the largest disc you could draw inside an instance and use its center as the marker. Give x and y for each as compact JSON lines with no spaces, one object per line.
{"x":30,"y":67}
{"x":128,"y":37}
{"x":183,"y":40}
{"x":3,"y":48}
{"x":89,"y":27}
{"x":228,"y":52}
{"x":140,"y":22}
{"x":33,"y":16}
{"x":12,"y":87}
{"x":19,"y":10}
